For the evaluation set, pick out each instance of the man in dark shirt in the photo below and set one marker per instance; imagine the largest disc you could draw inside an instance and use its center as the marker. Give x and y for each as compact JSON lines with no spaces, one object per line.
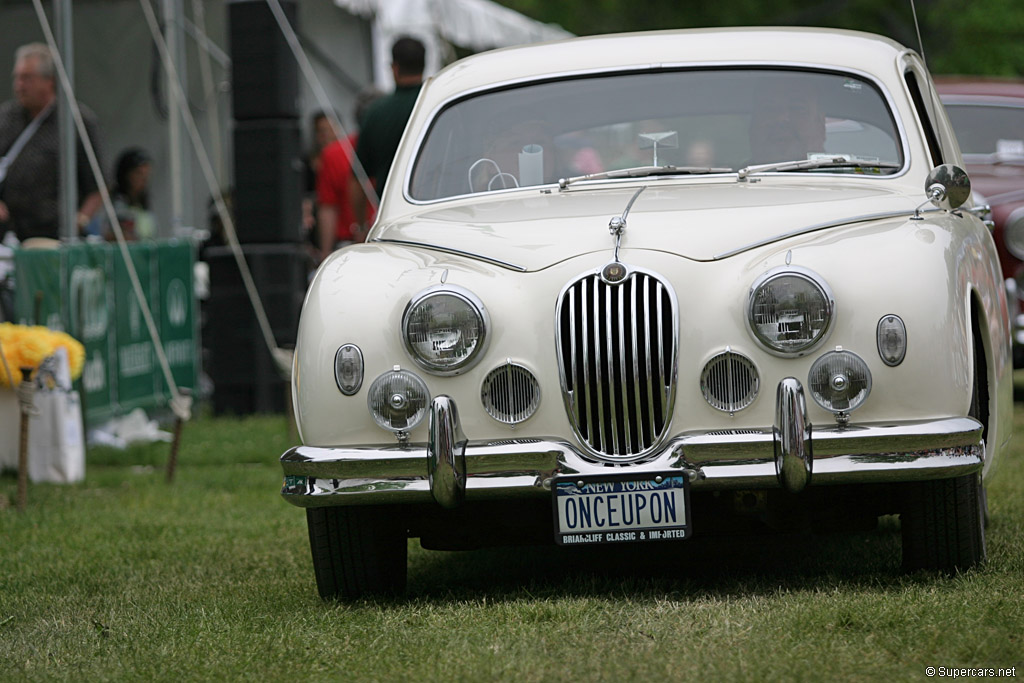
{"x":29,"y":193}
{"x":385,"y":122}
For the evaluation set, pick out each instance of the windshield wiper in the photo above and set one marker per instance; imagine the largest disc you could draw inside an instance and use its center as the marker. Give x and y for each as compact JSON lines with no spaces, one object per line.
{"x":643,"y":172}
{"x":810,"y":164}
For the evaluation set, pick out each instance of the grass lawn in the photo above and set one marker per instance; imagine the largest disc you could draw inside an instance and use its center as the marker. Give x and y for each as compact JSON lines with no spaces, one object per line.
{"x":126,"y":577}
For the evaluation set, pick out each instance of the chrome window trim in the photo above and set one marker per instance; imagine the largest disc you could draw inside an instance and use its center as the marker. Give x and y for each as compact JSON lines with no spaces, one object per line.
{"x":809,"y":275}
{"x":647,"y":68}
{"x":672,"y":381}
{"x":467,"y":296}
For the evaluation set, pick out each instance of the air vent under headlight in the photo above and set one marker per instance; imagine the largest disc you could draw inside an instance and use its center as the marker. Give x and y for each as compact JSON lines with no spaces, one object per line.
{"x":729,"y":382}
{"x":510,"y":393}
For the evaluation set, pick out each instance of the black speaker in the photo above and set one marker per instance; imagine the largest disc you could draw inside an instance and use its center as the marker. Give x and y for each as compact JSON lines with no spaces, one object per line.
{"x":268,"y":181}
{"x":264,"y":73}
{"x":245,"y":378}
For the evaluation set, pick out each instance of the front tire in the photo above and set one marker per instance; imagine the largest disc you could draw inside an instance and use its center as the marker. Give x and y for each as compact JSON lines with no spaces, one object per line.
{"x":357,"y":551}
{"x":943,"y":525}
{"x":943,"y":521}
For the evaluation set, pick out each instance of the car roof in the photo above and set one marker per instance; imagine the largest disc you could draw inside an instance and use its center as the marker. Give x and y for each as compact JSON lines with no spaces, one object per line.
{"x":808,"y":46}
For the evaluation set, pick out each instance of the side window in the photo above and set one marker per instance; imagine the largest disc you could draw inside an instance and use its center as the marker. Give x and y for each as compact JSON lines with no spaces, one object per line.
{"x":934,"y":149}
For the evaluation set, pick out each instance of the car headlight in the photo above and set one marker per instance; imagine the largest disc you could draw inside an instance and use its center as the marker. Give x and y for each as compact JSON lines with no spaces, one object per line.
{"x":840,"y":381}
{"x":790,"y":310}
{"x":398,"y":400}
{"x":445,"y":329}
{"x":1013,"y":232}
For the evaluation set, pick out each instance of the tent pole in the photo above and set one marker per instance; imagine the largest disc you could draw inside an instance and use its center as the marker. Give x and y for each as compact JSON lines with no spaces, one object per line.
{"x":68,"y":190}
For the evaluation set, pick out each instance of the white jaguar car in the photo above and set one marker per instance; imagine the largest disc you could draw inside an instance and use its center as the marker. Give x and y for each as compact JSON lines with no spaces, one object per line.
{"x":632,"y":289}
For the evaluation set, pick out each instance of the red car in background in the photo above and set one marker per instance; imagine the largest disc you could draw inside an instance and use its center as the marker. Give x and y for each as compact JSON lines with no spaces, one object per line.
{"x":988,"y":117}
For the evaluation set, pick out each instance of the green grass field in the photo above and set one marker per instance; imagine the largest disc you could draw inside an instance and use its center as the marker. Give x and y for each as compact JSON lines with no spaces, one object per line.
{"x":125,"y":577}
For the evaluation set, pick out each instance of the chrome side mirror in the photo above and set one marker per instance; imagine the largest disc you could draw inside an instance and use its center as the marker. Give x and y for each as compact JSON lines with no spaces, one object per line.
{"x":947,"y":187}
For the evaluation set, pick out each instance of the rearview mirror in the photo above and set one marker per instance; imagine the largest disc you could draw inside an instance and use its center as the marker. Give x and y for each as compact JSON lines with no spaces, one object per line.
{"x":666,"y":140}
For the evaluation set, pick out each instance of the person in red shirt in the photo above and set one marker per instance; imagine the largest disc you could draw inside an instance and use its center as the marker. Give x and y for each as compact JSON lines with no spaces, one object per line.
{"x":336,"y":221}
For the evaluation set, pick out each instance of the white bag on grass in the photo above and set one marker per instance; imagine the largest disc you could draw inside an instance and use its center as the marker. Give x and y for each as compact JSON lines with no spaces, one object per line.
{"x":56,"y":447}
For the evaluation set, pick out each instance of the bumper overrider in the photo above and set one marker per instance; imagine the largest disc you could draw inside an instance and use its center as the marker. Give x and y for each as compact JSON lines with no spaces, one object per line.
{"x":450,"y":468}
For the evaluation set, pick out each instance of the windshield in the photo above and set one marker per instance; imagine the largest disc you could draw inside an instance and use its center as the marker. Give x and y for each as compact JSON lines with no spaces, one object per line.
{"x":709,"y":120}
{"x":985,"y":129}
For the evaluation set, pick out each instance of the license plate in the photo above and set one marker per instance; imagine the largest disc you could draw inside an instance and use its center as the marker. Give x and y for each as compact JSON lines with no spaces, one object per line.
{"x":618,"y":508}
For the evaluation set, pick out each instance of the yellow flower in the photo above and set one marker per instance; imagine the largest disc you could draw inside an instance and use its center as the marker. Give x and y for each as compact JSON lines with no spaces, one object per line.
{"x":4,"y":379}
{"x":27,"y":347}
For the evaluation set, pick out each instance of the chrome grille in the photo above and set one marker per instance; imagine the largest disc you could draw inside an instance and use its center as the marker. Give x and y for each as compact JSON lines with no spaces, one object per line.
{"x":617,"y":360}
{"x":510,"y":393}
{"x":729,"y":382}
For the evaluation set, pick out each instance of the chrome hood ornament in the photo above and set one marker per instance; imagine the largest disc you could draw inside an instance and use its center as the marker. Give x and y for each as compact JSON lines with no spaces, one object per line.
{"x":615,"y":227}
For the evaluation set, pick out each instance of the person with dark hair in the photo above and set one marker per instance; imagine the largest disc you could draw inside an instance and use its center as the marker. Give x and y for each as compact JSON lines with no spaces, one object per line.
{"x":130,"y":197}
{"x":385,"y":122}
{"x":30,"y":148}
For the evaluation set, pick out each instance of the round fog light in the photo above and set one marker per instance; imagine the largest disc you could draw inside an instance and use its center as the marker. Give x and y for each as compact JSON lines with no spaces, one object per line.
{"x":839,"y":381}
{"x":398,"y":400}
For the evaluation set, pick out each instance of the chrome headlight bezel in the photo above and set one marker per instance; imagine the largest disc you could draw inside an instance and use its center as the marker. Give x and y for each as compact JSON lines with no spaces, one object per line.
{"x":483,"y":320}
{"x":829,"y":306}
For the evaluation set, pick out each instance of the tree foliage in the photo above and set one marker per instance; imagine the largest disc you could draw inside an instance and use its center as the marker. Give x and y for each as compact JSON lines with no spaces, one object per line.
{"x":977,"y":37}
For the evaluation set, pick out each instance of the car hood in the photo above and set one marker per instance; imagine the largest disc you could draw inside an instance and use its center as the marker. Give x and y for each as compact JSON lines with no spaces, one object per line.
{"x":701,"y":222}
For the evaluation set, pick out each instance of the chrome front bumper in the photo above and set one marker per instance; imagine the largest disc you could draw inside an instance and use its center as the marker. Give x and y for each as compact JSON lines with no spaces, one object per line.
{"x":450,"y":468}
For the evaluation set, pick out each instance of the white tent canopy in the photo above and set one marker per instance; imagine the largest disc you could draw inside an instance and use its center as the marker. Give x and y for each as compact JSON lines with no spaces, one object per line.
{"x":475,"y":25}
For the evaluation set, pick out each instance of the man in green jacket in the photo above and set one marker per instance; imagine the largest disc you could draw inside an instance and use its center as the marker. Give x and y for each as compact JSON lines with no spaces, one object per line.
{"x":385,"y":121}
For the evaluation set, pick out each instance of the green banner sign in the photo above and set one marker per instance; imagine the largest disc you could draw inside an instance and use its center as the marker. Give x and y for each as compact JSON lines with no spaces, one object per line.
{"x":178,"y":318}
{"x":90,"y":320}
{"x":85,"y":290}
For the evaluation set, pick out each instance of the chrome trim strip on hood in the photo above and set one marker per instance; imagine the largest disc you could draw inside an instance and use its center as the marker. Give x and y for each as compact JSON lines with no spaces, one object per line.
{"x":820,"y":226}
{"x":449,"y":250}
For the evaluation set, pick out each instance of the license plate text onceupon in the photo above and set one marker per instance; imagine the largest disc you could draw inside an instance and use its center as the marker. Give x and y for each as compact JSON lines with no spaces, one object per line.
{"x":615,"y":509}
